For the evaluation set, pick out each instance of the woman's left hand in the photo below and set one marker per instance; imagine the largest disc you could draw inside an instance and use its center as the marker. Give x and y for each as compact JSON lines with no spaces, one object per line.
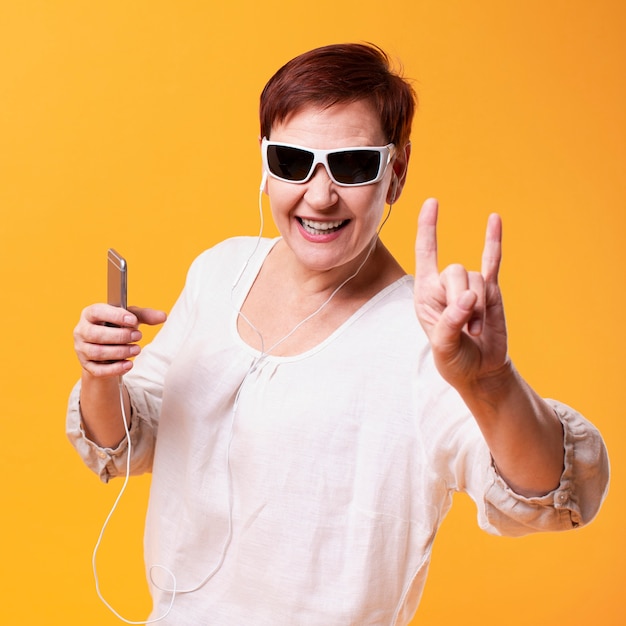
{"x":461,"y":311}
{"x":462,"y":314}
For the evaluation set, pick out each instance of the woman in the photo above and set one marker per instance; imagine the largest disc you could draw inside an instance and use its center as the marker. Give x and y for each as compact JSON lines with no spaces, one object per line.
{"x":308,"y":409}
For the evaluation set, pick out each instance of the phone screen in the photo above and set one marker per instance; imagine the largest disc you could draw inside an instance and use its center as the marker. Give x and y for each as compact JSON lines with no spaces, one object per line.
{"x":116,"y":279}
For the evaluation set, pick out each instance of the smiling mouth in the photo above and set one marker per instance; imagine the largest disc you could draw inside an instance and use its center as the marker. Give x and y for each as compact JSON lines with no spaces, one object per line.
{"x":321,"y":228}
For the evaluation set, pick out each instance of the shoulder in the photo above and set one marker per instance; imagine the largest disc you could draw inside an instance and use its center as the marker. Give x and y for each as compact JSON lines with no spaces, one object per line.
{"x":227,"y":257}
{"x":387,"y":324}
{"x":394,"y":304}
{"x":234,"y":248}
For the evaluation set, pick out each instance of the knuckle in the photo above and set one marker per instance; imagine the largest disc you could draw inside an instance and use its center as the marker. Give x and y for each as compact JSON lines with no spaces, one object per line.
{"x":90,"y":333}
{"x":453,"y":270}
{"x":94,"y":352}
{"x":99,"y":352}
{"x":90,"y":368}
{"x":89,"y":313}
{"x":456,"y":268}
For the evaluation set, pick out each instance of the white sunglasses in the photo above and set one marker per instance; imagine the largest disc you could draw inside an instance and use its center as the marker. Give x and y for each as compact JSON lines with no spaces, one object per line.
{"x":347,"y":167}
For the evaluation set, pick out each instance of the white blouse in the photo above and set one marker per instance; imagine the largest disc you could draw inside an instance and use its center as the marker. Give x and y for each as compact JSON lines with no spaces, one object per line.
{"x":307,"y":490}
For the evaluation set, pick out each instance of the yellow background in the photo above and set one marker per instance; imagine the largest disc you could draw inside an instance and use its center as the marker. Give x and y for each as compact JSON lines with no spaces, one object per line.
{"x":133,"y":124}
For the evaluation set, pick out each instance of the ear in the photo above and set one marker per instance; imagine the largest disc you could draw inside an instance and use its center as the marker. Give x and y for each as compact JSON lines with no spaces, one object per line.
{"x":400,"y":166}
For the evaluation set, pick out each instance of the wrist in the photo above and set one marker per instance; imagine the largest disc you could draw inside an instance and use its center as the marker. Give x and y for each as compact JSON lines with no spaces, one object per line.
{"x":493,"y":387}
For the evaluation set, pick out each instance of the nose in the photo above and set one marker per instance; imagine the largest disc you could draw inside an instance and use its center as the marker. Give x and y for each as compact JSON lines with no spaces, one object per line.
{"x":321,"y":192}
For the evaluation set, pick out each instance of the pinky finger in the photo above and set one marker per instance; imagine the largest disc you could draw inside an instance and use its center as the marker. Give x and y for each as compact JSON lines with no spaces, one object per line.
{"x":492,"y":252}
{"x":110,"y":369}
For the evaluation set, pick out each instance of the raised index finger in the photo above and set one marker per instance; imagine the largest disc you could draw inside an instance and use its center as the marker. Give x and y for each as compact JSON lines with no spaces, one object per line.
{"x":426,"y":241}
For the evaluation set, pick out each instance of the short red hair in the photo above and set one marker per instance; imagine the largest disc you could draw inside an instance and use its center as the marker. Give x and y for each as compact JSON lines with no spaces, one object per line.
{"x":337,"y":74}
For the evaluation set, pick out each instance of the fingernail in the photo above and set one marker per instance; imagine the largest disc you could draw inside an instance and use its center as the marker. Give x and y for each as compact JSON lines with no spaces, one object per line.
{"x":134,"y":350}
{"x":129,"y":320}
{"x":135,"y":335}
{"x":475,"y":327}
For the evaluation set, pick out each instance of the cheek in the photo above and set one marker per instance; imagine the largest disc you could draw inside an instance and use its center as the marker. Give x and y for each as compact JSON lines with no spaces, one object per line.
{"x":372,"y":205}
{"x":282,"y":197}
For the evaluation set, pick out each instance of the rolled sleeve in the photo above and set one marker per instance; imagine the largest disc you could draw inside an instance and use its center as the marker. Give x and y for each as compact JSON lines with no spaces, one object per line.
{"x":108,"y":463}
{"x":576,"y":500}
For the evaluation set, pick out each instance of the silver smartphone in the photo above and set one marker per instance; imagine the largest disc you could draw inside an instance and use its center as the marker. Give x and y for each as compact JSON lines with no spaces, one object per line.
{"x":117,"y":279}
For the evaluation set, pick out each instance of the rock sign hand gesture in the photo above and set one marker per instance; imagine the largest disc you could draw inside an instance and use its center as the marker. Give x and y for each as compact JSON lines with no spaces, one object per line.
{"x":461,"y":311}
{"x":462,"y":314}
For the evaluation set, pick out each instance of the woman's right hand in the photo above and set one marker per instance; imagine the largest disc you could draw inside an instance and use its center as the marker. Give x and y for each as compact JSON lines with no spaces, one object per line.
{"x":105,"y":338}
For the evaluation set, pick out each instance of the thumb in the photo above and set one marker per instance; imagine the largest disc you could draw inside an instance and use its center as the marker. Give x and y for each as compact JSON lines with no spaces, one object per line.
{"x":148,"y":316}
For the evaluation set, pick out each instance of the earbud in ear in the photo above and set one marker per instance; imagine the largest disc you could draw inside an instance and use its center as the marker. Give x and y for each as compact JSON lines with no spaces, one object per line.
{"x":392,"y":199}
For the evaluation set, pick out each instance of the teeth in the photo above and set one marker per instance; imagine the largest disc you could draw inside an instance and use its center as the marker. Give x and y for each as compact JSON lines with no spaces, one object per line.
{"x":312,"y":226}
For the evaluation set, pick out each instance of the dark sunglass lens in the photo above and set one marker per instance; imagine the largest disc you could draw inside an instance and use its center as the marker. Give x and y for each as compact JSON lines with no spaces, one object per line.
{"x":289,"y":163}
{"x":354,"y":166}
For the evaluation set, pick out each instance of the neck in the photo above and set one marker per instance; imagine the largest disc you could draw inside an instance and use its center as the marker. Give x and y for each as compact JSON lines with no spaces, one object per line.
{"x":362,"y":269}
{"x":286,"y":297}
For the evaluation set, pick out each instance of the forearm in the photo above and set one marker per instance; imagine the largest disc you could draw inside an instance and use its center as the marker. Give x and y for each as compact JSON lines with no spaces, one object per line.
{"x":101,"y":410}
{"x":524,"y":435}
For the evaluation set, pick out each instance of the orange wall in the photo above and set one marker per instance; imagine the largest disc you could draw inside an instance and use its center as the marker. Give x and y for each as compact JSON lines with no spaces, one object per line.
{"x":121,"y":124}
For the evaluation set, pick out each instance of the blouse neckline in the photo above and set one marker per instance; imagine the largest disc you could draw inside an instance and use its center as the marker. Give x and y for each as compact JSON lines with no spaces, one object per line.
{"x":249,"y":273}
